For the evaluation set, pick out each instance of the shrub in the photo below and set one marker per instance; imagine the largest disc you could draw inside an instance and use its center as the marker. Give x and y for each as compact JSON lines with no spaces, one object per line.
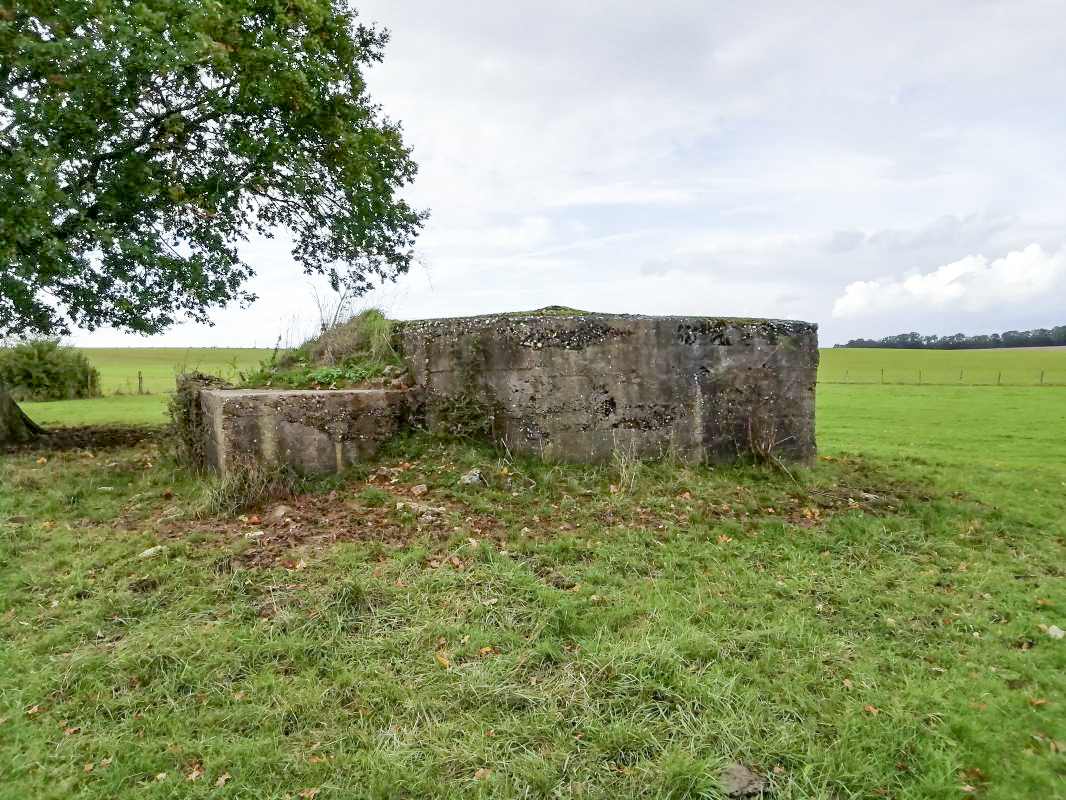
{"x":39,"y":369}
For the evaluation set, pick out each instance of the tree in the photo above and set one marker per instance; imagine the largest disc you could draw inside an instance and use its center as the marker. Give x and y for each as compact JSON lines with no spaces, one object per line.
{"x":142,"y":140}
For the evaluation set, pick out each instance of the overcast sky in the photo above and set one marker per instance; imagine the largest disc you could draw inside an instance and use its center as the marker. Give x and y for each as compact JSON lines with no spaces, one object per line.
{"x":874,"y":167}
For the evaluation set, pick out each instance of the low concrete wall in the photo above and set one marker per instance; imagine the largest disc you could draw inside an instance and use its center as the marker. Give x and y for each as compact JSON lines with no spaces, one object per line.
{"x":309,"y":430}
{"x":578,"y":387}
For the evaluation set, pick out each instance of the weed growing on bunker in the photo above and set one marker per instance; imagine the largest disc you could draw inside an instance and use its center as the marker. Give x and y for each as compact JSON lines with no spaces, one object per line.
{"x":466,"y":409}
{"x":349,"y":354}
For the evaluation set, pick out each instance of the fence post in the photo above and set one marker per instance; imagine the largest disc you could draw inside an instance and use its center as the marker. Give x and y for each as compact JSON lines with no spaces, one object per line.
{"x":1041,"y":377}
{"x":882,"y":374}
{"x":140,"y":382}
{"x":919,"y":377}
{"x":999,"y":378}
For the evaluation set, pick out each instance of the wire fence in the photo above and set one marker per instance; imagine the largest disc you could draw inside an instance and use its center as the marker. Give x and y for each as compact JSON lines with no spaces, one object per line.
{"x":943,"y":377}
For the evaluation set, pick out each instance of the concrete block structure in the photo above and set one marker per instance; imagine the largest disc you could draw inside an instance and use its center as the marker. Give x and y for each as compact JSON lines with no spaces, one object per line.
{"x":577,"y":387}
{"x":309,"y":430}
{"x":561,"y":384}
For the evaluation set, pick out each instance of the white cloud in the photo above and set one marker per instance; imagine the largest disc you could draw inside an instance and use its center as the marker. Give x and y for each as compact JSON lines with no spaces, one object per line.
{"x":972,"y":284}
{"x":709,"y":156}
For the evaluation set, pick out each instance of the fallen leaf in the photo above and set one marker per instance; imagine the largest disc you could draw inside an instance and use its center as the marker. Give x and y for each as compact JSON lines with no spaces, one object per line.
{"x":238,"y":696}
{"x":106,"y":762}
{"x":88,"y":767}
{"x":740,"y":781}
{"x":870,"y":709}
{"x":457,"y":563}
{"x":434,"y":563}
{"x":442,"y":659}
{"x":316,"y":759}
{"x":723,"y":539}
{"x":55,"y":604}
{"x":1037,"y":701}
{"x":309,"y":794}
{"x":152,"y":551}
{"x":220,"y":781}
{"x":848,"y":684}
{"x":33,"y":710}
{"x":193,"y":772}
{"x":488,"y":650}
{"x":615,"y":488}
{"x":967,"y":788}
{"x":1055,"y":632}
{"x":419,"y":490}
{"x":482,"y":774}
{"x":71,"y":731}
{"x":162,"y":776}
{"x":42,"y":460}
{"x":378,"y":571}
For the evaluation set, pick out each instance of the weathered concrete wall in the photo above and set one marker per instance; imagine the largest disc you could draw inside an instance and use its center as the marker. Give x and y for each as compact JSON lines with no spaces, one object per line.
{"x":577,"y":387}
{"x":309,"y":430}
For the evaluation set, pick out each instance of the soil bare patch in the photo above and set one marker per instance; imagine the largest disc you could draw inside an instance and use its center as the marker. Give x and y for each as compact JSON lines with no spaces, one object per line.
{"x":394,"y":515}
{"x":106,"y":437}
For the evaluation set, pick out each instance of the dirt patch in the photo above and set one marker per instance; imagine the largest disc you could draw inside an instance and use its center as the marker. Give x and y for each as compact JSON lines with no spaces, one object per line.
{"x":281,"y":534}
{"x":107,"y":437}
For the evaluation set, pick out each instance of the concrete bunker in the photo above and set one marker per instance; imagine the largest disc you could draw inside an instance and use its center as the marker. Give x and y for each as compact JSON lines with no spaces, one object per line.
{"x":557,"y":383}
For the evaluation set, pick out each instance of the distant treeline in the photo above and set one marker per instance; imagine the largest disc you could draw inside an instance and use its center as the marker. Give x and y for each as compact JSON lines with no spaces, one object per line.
{"x":1041,"y":337}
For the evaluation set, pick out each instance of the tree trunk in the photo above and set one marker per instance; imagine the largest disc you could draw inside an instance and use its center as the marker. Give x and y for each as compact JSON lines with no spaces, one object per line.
{"x":15,"y":426}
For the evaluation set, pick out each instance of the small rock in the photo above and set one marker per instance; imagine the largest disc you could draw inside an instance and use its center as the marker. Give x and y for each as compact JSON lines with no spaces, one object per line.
{"x":280,"y":512}
{"x":419,"y":490}
{"x":153,"y":551}
{"x":1054,"y":631}
{"x":558,"y":580}
{"x":472,"y":477}
{"x":740,"y":781}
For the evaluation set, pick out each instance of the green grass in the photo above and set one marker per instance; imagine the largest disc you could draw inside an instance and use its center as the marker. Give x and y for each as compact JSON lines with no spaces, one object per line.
{"x":1023,"y":367}
{"x":124,"y":409}
{"x":119,"y":366}
{"x":871,"y":629}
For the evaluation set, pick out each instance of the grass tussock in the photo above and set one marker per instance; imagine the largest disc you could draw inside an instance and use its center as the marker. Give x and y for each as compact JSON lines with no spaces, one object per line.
{"x":349,"y":354}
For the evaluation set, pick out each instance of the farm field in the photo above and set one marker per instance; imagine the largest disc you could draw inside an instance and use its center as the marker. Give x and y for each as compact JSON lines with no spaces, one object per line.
{"x":119,"y":366}
{"x":884,"y":625}
{"x":1016,"y":367}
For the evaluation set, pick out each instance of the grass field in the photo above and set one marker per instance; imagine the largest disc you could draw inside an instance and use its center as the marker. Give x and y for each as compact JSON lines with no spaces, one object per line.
{"x":1018,"y":367}
{"x":883,"y":626}
{"x":120,"y":366}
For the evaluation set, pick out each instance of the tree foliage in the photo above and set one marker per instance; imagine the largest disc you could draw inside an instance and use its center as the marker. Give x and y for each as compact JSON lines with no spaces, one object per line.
{"x":142,"y":140}
{"x":1040,"y":337}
